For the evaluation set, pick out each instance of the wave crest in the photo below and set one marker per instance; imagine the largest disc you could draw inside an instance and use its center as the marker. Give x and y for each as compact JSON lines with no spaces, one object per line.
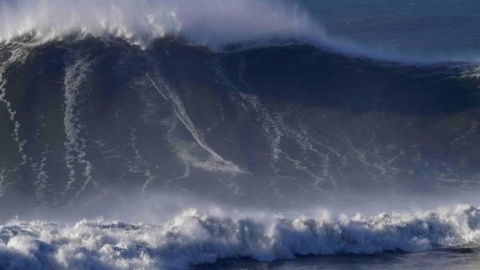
{"x":213,"y":23}
{"x":210,"y":22}
{"x":194,"y":237}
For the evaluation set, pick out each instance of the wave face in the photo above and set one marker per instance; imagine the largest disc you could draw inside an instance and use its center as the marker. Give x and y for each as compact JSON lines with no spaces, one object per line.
{"x":195,"y":238}
{"x":86,"y":120}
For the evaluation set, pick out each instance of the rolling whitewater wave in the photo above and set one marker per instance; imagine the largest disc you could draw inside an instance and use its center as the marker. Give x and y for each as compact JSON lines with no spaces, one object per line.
{"x":195,"y":238}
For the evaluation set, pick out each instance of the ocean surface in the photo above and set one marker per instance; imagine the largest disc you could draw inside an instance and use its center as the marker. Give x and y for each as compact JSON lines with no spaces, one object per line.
{"x":425,"y":28}
{"x":239,"y":134}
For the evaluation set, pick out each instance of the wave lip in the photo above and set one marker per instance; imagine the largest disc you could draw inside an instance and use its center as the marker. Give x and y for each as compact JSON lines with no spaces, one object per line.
{"x":213,"y":23}
{"x":194,"y":238}
{"x":210,"y":22}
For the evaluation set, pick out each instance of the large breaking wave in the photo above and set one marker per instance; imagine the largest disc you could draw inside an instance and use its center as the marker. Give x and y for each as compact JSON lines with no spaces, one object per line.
{"x":92,"y":124}
{"x":195,"y":238}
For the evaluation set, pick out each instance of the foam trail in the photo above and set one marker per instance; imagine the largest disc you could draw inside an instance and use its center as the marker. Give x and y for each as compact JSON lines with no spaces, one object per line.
{"x":273,"y":125}
{"x":168,"y":94}
{"x":182,"y":115}
{"x":41,"y":183}
{"x":3,"y":177}
{"x":139,"y":161}
{"x":270,"y":126}
{"x":186,"y":174}
{"x":18,"y":54}
{"x":194,"y":237}
{"x":75,"y":76}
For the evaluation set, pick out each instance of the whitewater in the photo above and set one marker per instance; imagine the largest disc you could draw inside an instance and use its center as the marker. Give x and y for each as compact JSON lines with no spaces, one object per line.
{"x":213,"y":23}
{"x":194,"y":237}
{"x":210,"y":22}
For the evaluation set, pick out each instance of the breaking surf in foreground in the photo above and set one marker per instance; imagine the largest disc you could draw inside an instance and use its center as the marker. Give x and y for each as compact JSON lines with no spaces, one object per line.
{"x":193,"y":238}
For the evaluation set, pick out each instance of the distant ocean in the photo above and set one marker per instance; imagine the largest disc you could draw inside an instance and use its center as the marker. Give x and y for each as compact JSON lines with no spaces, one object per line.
{"x":239,"y":134}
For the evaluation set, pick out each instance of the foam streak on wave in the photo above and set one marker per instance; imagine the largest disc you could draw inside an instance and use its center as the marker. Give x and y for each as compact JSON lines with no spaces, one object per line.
{"x":139,"y":164}
{"x":193,"y":238}
{"x":274,"y":127}
{"x":41,"y":193}
{"x":206,"y":21}
{"x":217,"y":163}
{"x":19,"y":53}
{"x":75,"y":76}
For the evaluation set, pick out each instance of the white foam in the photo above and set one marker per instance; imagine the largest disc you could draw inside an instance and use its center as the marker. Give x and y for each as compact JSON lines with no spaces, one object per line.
{"x":193,"y":237}
{"x":139,"y":164}
{"x":18,"y":54}
{"x":3,"y":177}
{"x":41,"y":183}
{"x":206,"y":21}
{"x":75,"y":76}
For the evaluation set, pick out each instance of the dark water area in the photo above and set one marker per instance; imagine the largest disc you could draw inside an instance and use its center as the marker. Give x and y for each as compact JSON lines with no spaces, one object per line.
{"x":465,"y":259}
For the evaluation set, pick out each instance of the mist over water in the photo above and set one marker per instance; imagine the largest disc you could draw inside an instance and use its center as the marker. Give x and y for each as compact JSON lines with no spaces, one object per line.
{"x":208,"y":22}
{"x":423,"y":29}
{"x":166,"y":134}
{"x":245,"y":23}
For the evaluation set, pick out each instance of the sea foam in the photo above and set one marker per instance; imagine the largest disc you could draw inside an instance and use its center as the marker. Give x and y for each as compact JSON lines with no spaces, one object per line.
{"x":193,"y":237}
{"x":209,"y":22}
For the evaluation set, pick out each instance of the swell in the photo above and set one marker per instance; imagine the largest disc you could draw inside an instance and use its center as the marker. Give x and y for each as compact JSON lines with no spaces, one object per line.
{"x":16,"y":54}
{"x":193,"y":237}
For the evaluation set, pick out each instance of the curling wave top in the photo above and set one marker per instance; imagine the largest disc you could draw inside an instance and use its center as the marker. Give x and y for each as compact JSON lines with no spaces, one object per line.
{"x":213,"y":23}
{"x":209,"y":22}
